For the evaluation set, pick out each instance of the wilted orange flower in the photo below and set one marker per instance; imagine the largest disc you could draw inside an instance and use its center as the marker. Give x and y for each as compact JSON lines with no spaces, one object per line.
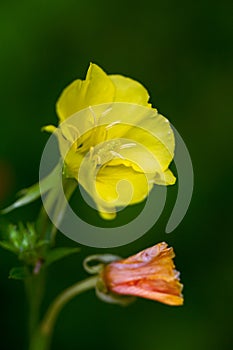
{"x":149,"y":274}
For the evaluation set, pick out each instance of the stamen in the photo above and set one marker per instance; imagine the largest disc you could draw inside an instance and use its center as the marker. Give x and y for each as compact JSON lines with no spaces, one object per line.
{"x":106,"y":112}
{"x":116,"y":154}
{"x":128,"y":145}
{"x":112,"y":124}
{"x":93,"y":115}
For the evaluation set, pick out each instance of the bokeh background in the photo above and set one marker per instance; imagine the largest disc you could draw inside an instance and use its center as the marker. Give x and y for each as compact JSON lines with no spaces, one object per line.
{"x":182,"y":52}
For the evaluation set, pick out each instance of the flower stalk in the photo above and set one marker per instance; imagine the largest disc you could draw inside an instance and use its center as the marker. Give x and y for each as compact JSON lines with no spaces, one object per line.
{"x":42,"y":336}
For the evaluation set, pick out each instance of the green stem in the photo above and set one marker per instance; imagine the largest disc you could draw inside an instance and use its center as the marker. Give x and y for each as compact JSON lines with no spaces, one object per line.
{"x":69,"y":186}
{"x":35,"y":290}
{"x":43,"y":224}
{"x":42,"y":337}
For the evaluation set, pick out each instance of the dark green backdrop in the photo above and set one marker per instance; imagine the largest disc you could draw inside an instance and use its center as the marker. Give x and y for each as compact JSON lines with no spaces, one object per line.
{"x":182,"y":52}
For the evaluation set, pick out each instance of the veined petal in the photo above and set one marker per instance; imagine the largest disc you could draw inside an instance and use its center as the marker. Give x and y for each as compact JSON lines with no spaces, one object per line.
{"x":153,"y":289}
{"x":149,"y":274}
{"x":129,"y":90}
{"x":97,"y":88}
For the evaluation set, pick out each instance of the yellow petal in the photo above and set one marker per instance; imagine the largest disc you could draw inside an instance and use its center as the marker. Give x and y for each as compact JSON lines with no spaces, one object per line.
{"x":49,"y":128}
{"x":142,"y":125}
{"x":129,"y":90}
{"x":165,"y":178}
{"x":97,"y":88}
{"x":121,"y":185}
{"x":107,"y":215}
{"x":159,"y":140}
{"x":153,"y":139}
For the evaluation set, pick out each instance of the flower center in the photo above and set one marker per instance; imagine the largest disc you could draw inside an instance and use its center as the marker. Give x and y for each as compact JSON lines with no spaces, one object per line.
{"x":105,"y":152}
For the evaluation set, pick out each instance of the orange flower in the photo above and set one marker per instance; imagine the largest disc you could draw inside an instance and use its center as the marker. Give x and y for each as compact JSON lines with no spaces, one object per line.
{"x":149,"y":274}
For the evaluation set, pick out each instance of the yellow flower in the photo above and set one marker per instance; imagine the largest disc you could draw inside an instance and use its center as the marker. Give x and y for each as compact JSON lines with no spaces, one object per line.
{"x":123,"y":136}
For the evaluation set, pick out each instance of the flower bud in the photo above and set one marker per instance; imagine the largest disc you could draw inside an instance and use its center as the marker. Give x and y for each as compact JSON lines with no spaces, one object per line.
{"x":149,"y":274}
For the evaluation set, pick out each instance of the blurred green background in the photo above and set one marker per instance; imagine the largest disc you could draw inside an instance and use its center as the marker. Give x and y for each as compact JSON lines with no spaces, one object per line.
{"x":182,"y":52}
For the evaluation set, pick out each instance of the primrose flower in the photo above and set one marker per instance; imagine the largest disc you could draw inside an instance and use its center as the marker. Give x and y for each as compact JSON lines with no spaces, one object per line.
{"x":149,"y":274}
{"x":108,"y":128}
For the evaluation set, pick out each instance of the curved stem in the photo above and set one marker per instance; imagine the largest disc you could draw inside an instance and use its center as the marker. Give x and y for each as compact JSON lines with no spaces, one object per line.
{"x":69,"y":293}
{"x":43,"y":336}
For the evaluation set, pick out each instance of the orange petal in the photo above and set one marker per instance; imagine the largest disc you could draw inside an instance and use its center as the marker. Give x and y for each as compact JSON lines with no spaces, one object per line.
{"x":149,"y":274}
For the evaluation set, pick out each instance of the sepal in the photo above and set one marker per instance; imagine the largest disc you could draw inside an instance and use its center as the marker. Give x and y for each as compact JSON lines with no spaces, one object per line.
{"x":94,"y":264}
{"x":24,"y":241}
{"x":108,"y":297}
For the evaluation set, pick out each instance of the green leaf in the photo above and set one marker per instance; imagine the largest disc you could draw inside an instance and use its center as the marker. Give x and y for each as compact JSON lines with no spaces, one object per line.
{"x":32,"y":193}
{"x":8,"y":246}
{"x":19,"y":273}
{"x":59,"y":253}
